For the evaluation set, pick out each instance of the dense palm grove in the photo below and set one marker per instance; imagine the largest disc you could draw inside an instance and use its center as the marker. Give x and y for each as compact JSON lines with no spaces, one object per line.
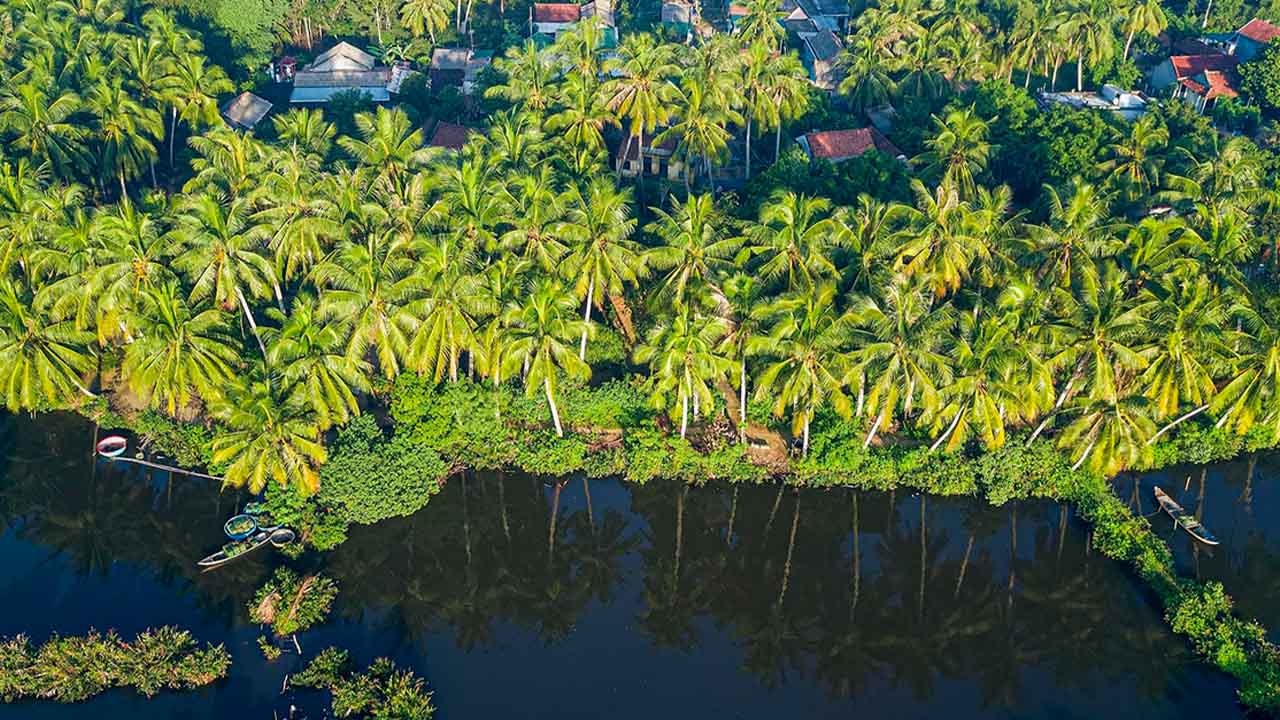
{"x":274,"y":284}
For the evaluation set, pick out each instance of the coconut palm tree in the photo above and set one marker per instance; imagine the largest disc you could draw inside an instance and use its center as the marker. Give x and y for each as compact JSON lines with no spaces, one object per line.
{"x":868,"y":81}
{"x":1146,"y":17}
{"x":534,"y":213}
{"x":219,"y":247}
{"x":684,"y":360}
{"x":1079,"y":232}
{"x":299,"y":214}
{"x":192,"y":93}
{"x":602,"y":257}
{"x":938,"y":242}
{"x":530,"y":74}
{"x":42,"y":126}
{"x":787,"y":87}
{"x":227,"y":163}
{"x":180,"y":352}
{"x":267,"y":438}
{"x":471,"y":206}
{"x":1090,"y":29}
{"x":760,"y":26}
{"x":130,"y":261}
{"x":388,"y":145}
{"x":583,"y":114}
{"x":699,"y":130}
{"x":450,"y":311}
{"x":309,"y":355}
{"x":426,"y":16}
{"x":1252,"y":396}
{"x":124,"y":131}
{"x":900,"y":361}
{"x":694,"y":249}
{"x":370,"y":284}
{"x":794,"y":233}
{"x":42,"y":360}
{"x":994,"y":386}
{"x":745,"y":299}
{"x":1135,"y":161}
{"x":307,"y":129}
{"x":542,"y":330}
{"x":642,"y":95}
{"x":1110,"y":434}
{"x":957,"y":151}
{"x":808,"y":342}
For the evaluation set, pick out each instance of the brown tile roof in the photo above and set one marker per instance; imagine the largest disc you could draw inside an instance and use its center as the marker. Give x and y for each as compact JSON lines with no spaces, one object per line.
{"x":845,"y":144}
{"x":246,"y":110}
{"x":1211,"y":84}
{"x":736,"y":10}
{"x":1259,"y":31}
{"x":1185,"y":66}
{"x":556,"y":12}
{"x":450,"y":136}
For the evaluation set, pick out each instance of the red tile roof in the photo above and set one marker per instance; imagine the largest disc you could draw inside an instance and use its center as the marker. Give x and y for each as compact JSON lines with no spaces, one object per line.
{"x":1259,"y":31}
{"x":1185,"y":66}
{"x":556,"y":12}
{"x":736,"y":10}
{"x":845,"y":144}
{"x":1218,"y":85}
{"x":450,"y":136}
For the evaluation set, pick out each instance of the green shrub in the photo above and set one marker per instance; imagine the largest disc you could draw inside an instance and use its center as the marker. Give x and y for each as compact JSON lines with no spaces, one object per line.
{"x":368,"y":479}
{"x":382,"y":692}
{"x":291,"y":603}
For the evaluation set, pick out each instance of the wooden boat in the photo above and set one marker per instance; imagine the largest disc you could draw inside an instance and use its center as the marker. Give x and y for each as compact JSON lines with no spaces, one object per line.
{"x":239,"y":527}
{"x":1185,"y":521}
{"x":112,"y":446}
{"x":238,"y":548}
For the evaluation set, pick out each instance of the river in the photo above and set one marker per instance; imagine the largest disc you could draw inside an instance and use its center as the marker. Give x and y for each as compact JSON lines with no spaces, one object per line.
{"x":601,"y":599}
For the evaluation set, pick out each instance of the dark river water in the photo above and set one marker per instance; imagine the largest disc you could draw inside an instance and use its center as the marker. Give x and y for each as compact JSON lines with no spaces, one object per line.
{"x":606,"y":600}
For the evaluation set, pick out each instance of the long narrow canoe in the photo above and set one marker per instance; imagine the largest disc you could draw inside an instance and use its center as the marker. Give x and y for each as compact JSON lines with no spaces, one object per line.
{"x":1183,"y":519}
{"x":238,"y":548}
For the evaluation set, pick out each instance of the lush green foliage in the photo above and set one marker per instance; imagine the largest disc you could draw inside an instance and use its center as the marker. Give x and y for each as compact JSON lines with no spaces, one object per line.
{"x":291,"y":603}
{"x":383,"y":692}
{"x":71,"y":669}
{"x":367,"y":479}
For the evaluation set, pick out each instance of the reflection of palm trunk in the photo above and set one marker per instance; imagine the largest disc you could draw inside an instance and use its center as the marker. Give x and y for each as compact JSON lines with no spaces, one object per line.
{"x":1062,"y":530}
{"x":923,"y":558}
{"x":551,"y":526}
{"x":773,"y":513}
{"x":679,"y":536}
{"x":591,"y":518}
{"x":502,"y":505}
{"x":964,"y":565}
{"x":1246,"y":496}
{"x":791,"y":546}
{"x":733,"y":513}
{"x":1013,"y":550}
{"x":857,"y":562}
{"x":1204,"y":472}
{"x":466,"y":524}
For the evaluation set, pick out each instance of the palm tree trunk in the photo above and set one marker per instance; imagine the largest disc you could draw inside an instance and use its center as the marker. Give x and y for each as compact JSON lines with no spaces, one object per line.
{"x":248,"y":315}
{"x":947,"y":434}
{"x":173,"y":132}
{"x":1049,"y":416}
{"x":123,"y":190}
{"x":1084,"y":456}
{"x":1080,"y":72}
{"x":586,"y":318}
{"x":804,"y":449}
{"x":1207,"y":9}
{"x":748,"y":156}
{"x":1177,"y":422}
{"x":684,"y":414}
{"x":555,"y":412}
{"x":742,"y":401}
{"x":1129,"y":42}
{"x":872,"y":435}
{"x":777,"y":141}
{"x":1053,"y":79}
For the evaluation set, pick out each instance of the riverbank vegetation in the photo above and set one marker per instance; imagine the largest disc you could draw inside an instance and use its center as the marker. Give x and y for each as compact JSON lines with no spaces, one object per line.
{"x":291,"y":603}
{"x":71,"y":669}
{"x":1035,"y":290}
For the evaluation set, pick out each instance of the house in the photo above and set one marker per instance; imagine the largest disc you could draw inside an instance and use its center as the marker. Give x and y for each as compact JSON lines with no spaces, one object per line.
{"x":1246,"y":43}
{"x":342,"y":68}
{"x":830,"y":15}
{"x":551,"y":19}
{"x":653,"y":160}
{"x":1128,"y":105}
{"x":449,"y":136}
{"x":245,"y":111}
{"x":678,"y":15}
{"x":1202,"y":91}
{"x":836,"y":146}
{"x":736,"y":14}
{"x":458,"y":67}
{"x":1179,"y":67}
{"x":601,"y":10}
{"x":821,"y":52}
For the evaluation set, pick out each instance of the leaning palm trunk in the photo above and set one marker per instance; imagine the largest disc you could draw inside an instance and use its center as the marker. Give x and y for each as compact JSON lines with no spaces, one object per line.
{"x":947,"y":434}
{"x":1085,"y":455}
{"x":586,"y":318}
{"x":742,"y":402}
{"x":1177,"y":422}
{"x":248,"y":314}
{"x":684,"y":415}
{"x":555,"y":412}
